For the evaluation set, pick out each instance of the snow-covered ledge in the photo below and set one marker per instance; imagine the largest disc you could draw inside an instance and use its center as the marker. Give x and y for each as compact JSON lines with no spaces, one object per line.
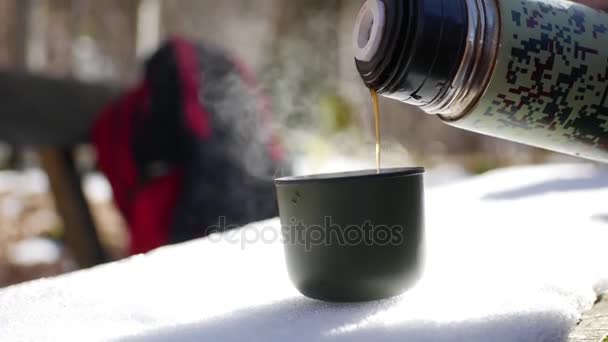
{"x":514,"y":255}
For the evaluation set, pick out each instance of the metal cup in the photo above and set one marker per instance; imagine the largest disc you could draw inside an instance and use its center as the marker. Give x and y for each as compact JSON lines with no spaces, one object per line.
{"x":353,"y":237}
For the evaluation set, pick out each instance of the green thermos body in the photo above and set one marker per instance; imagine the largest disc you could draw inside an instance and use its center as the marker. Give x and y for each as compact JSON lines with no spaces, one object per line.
{"x":529,"y":71}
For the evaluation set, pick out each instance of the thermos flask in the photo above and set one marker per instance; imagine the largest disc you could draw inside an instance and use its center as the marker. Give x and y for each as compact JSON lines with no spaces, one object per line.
{"x":529,"y":71}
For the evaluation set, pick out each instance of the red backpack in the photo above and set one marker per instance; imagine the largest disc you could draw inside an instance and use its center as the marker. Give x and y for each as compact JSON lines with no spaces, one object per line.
{"x":188,"y":152}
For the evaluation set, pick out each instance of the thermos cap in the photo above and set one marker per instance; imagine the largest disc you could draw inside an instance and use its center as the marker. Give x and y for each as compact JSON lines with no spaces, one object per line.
{"x":354,"y":236}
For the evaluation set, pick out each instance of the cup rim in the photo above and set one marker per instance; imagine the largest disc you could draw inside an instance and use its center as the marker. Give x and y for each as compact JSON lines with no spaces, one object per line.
{"x":351,"y":175}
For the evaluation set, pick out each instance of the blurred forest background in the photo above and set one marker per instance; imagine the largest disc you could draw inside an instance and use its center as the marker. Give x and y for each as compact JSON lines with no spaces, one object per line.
{"x":301,"y":53}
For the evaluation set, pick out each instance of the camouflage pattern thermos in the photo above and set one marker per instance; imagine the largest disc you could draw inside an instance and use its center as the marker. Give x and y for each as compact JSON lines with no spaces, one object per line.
{"x":530,"y":71}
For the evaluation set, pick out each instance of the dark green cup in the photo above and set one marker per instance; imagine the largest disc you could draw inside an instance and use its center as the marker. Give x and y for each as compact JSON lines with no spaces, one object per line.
{"x":353,"y":237}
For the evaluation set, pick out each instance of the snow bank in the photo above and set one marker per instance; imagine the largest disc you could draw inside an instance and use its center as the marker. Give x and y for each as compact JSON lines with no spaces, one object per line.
{"x":514,"y":255}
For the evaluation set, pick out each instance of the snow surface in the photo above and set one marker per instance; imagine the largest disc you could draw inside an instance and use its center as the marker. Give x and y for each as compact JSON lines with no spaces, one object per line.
{"x":514,"y":255}
{"x":34,"y":251}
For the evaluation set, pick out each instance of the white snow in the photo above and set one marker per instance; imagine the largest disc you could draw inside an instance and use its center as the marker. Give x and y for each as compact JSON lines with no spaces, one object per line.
{"x":28,"y":182}
{"x":34,"y":251}
{"x":514,"y":255}
{"x":35,"y":182}
{"x":97,"y":188}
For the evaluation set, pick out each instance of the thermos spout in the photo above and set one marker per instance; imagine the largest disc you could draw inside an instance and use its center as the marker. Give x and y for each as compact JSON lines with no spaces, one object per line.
{"x":411,"y":50}
{"x":369,"y":28}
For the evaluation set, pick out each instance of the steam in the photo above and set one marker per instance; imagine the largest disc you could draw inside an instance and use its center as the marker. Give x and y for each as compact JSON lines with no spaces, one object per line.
{"x":241,"y":120}
{"x":313,"y":65}
{"x":308,"y":64}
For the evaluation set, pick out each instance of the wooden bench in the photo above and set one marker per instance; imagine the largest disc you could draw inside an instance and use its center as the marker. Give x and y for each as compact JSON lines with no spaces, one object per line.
{"x":54,"y":116}
{"x":593,"y":327}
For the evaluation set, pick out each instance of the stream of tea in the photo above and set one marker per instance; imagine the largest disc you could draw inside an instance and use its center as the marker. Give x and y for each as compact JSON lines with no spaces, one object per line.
{"x":376,"y":104}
